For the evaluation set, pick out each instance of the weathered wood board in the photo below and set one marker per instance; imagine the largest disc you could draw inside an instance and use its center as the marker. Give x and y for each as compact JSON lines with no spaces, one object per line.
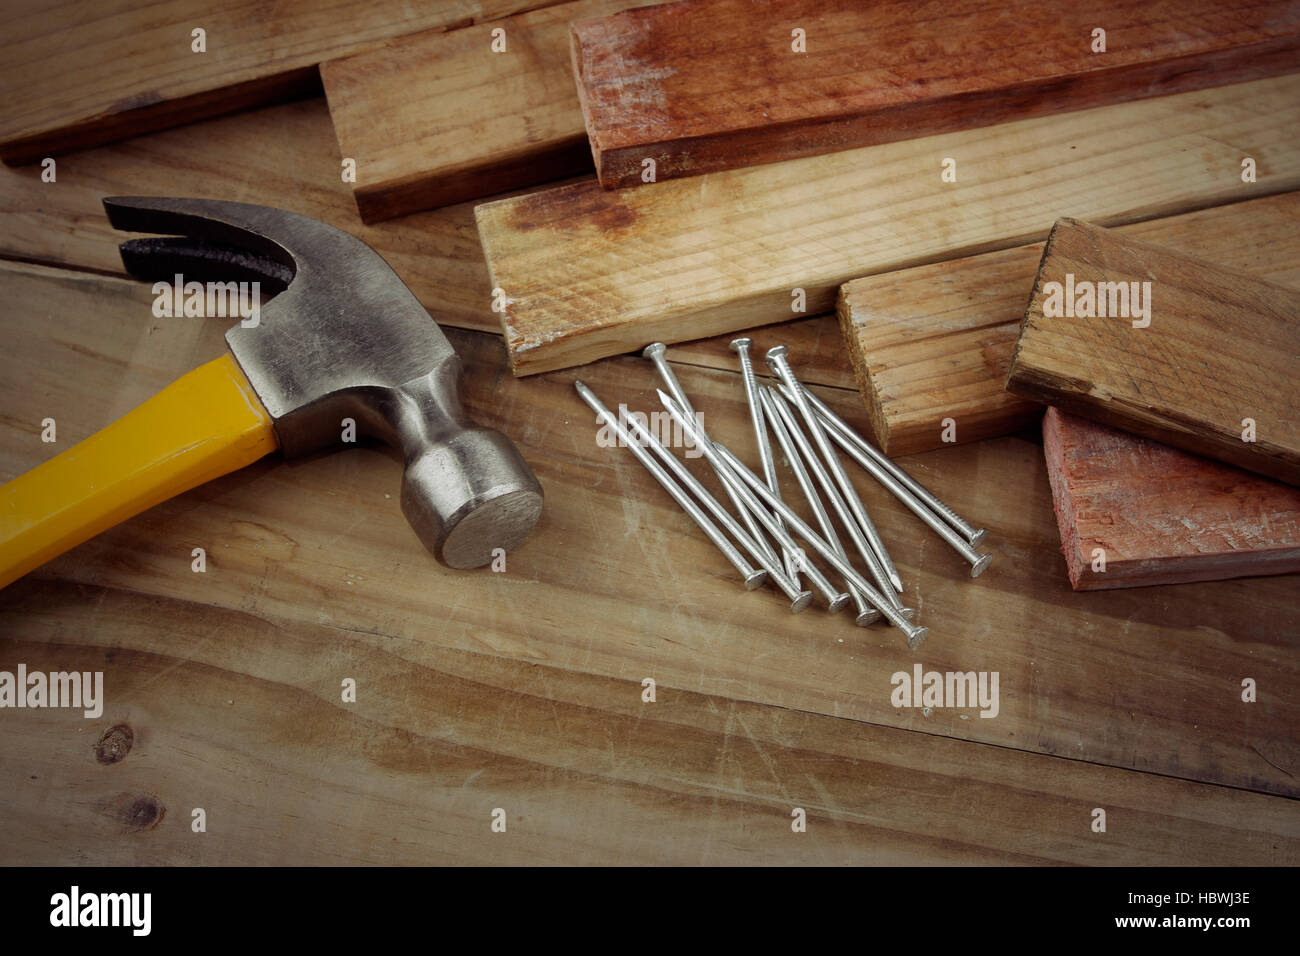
{"x":292,"y":160}
{"x":240,"y":713}
{"x":614,"y":585}
{"x":934,"y":343}
{"x":1134,"y":512}
{"x":1209,"y":363}
{"x":138,"y":66}
{"x":589,"y":272}
{"x":706,"y":85}
{"x":283,"y":155}
{"x":440,"y":118}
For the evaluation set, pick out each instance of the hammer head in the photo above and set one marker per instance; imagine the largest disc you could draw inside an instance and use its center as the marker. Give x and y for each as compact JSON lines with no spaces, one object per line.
{"x":345,"y":338}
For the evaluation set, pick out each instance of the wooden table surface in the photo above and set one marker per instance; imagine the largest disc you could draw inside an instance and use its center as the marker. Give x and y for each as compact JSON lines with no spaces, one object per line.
{"x":522,"y":691}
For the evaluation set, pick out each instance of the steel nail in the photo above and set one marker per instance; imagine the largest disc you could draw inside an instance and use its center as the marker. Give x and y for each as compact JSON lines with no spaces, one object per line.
{"x":730,"y":468}
{"x":877,"y":558}
{"x":752,"y":578}
{"x":786,"y":415}
{"x":866,"y":614}
{"x":899,"y":617}
{"x":741,"y":347}
{"x":979,"y":562}
{"x":800,"y":597}
{"x":655,"y":352}
{"x":814,"y":462}
{"x":836,"y":600}
{"x":974,"y":536}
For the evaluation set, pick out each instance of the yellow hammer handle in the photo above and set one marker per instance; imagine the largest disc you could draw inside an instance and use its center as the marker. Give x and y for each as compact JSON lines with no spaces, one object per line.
{"x":206,"y":424}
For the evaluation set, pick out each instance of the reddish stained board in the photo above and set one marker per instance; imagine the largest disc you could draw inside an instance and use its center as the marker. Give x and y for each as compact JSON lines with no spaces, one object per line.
{"x":1162,"y":516}
{"x":705,"y":85}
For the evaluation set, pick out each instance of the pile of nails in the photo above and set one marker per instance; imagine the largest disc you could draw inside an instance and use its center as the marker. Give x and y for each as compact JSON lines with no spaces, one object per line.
{"x":783,"y":407}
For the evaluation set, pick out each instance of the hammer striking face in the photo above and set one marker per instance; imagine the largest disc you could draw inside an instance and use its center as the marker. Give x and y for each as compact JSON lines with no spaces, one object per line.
{"x":343,"y":338}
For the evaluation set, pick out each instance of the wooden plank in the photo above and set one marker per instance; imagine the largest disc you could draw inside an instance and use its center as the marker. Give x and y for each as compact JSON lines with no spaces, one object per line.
{"x":617,"y":583}
{"x":240,"y":714}
{"x":287,"y":157}
{"x":1212,"y":372}
{"x":706,"y":85}
{"x":930,"y":347}
{"x":128,"y":68}
{"x":290,"y":158}
{"x":1160,"y":515}
{"x":935,"y":342}
{"x":438,"y":118}
{"x":591,"y":272}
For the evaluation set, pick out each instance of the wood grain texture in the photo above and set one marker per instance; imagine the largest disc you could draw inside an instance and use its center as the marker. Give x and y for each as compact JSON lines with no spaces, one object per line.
{"x":591,"y":272}
{"x":438,"y":118}
{"x":1222,"y":347}
{"x":239,"y":713}
{"x":814,"y":343}
{"x":289,"y":157}
{"x":706,"y":85}
{"x":135,"y":70}
{"x":613,"y":586}
{"x":284,"y":156}
{"x":935,"y":342}
{"x":1160,"y":515}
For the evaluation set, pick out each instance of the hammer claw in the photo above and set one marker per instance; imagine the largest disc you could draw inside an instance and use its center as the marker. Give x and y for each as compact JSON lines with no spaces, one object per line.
{"x":245,"y":226}
{"x":160,"y":258}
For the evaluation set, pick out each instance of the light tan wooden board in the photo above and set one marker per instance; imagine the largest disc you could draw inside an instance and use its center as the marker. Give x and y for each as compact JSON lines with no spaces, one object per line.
{"x":935,"y":342}
{"x":815,"y":344}
{"x":617,"y":583}
{"x":288,"y":157}
{"x":239,"y":713}
{"x":1210,"y":365}
{"x":591,"y":272}
{"x":440,"y":118}
{"x":282,"y":156}
{"x":83,"y":72}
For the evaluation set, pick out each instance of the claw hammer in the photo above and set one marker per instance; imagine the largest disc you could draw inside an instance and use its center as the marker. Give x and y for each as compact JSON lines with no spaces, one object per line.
{"x":343,"y":338}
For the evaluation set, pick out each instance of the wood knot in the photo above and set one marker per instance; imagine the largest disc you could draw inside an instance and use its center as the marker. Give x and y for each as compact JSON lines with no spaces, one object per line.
{"x":115,"y":744}
{"x":135,"y":812}
{"x":143,"y":813}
